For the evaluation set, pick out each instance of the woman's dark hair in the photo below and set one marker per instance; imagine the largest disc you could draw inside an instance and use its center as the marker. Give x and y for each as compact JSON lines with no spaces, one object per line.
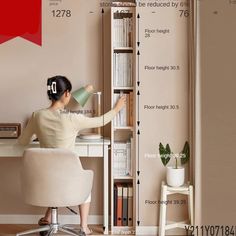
{"x":57,"y":86}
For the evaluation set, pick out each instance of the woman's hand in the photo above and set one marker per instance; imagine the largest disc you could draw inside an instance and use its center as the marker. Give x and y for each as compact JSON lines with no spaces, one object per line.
{"x":89,"y":88}
{"x":120,"y":103}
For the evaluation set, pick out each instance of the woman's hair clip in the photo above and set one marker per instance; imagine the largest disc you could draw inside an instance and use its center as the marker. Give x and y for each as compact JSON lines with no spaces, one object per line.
{"x":53,"y":87}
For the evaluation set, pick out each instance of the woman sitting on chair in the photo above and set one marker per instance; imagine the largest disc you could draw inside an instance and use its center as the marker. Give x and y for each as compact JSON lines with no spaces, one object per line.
{"x":57,"y":128}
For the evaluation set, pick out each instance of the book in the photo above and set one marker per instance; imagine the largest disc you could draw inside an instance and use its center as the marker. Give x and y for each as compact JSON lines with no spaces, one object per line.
{"x":122,"y":29}
{"x":122,"y":164}
{"x":125,"y":206}
{"x":130,"y":205}
{"x":119,"y":205}
{"x":122,"y":69}
{"x":128,"y":109}
{"x":115,"y":206}
{"x":124,"y":116}
{"x":132,"y":155}
{"x":131,"y":105}
{"x":129,"y":161}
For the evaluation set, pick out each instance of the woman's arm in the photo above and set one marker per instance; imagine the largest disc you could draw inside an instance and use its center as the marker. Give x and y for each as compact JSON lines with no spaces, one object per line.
{"x":83,"y":122}
{"x":28,"y":132}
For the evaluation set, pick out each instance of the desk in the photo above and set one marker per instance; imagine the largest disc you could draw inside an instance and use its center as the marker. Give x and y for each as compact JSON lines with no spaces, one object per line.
{"x":84,"y":148}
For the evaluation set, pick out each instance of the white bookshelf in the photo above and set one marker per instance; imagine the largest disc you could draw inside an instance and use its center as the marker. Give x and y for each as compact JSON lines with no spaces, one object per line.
{"x":123,"y":133}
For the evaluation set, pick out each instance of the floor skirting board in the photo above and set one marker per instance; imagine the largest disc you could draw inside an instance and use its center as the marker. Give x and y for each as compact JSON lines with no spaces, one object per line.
{"x":153,"y":230}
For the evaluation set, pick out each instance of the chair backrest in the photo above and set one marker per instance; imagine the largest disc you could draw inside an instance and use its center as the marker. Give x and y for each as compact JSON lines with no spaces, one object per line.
{"x":53,"y":177}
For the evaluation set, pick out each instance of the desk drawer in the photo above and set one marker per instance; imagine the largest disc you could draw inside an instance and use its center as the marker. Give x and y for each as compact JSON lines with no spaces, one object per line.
{"x":95,"y":151}
{"x":82,"y":150}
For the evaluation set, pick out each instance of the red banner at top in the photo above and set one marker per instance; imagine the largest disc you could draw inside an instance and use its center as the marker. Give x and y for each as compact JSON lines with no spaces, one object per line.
{"x":21,"y":18}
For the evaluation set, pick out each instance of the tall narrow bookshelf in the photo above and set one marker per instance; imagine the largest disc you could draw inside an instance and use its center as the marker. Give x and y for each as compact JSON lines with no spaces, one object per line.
{"x":123,"y":126}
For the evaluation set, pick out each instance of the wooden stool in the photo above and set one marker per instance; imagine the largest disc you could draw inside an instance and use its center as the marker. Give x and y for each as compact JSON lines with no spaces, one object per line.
{"x":167,"y":190}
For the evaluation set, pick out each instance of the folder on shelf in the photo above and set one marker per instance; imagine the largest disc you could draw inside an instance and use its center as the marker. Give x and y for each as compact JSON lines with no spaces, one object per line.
{"x":115,"y":205}
{"x":119,"y":205}
{"x":130,"y":205}
{"x":125,"y":206}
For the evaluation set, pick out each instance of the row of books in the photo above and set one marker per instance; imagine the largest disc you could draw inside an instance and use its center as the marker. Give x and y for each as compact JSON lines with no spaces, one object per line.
{"x":123,"y":204}
{"x":122,"y":164}
{"x":122,"y":36}
{"x":125,"y":115}
{"x":122,"y":69}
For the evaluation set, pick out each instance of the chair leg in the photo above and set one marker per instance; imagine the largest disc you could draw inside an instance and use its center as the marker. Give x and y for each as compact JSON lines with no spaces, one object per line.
{"x":70,"y":227}
{"x":45,"y":228}
{"x":71,"y":232}
{"x":50,"y":233}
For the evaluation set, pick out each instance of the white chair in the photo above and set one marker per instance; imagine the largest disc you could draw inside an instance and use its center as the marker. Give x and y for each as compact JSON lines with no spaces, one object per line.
{"x":168,"y":190}
{"x":53,"y":177}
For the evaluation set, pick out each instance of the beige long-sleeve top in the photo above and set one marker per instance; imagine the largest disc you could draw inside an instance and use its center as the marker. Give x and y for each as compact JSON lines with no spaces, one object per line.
{"x":59,"y":128}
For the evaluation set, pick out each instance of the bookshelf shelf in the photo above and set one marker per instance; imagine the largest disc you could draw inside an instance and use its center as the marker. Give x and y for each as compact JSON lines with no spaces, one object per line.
{"x":122,"y":177}
{"x":123,"y":48}
{"x":123,"y":88}
{"x":122,"y":127}
{"x":120,"y":229}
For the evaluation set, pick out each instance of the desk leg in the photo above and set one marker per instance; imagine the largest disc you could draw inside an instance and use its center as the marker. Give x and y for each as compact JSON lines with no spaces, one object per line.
{"x":105,"y":190}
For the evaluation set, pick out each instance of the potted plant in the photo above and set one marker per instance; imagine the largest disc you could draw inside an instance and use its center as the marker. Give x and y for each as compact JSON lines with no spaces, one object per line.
{"x":175,"y":174}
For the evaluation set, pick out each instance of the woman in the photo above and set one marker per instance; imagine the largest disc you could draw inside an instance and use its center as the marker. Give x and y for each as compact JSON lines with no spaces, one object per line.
{"x":57,"y":128}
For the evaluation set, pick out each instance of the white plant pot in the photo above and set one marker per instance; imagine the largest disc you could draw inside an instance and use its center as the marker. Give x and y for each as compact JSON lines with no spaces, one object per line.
{"x":175,"y":177}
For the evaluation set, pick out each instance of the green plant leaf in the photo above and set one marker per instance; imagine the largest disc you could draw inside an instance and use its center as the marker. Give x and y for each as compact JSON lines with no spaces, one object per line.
{"x":161,"y":149}
{"x":168,"y":151}
{"x":186,"y":152}
{"x":164,"y":153}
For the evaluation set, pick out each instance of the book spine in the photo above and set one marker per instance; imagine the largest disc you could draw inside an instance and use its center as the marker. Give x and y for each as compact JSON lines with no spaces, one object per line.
{"x":128,"y":165}
{"x":125,"y":206}
{"x":119,"y":205}
{"x":115,"y":206}
{"x":121,"y":156}
{"x":130,"y":31}
{"x":132,"y":156}
{"x":130,"y":206}
{"x":126,"y":69}
{"x":131,"y":104}
{"x":120,"y":32}
{"x":128,"y":108}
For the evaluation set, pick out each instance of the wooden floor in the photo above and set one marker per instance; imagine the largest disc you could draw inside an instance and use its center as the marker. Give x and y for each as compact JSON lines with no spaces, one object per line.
{"x":11,"y":230}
